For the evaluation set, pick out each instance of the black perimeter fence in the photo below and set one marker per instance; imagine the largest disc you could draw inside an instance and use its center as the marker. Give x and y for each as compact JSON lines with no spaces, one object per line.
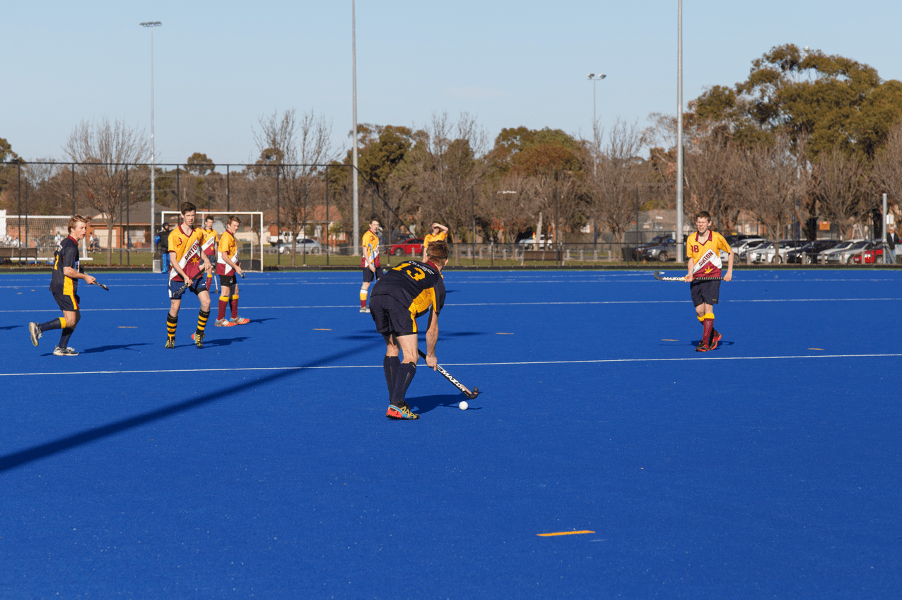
{"x":306,"y":219}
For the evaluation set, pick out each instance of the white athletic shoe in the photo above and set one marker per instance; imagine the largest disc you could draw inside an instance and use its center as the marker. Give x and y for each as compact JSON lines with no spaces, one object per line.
{"x":35,"y":331}
{"x":64,"y":351}
{"x":365,"y":309}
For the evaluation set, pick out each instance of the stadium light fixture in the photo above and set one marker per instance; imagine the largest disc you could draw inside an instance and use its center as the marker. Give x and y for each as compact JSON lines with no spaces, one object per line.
{"x":150,"y":25}
{"x":594,"y":78}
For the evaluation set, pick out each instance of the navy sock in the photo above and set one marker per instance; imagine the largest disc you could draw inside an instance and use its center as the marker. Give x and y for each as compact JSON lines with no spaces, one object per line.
{"x":405,"y":375}
{"x":54,"y":324}
{"x":390,"y":365}
{"x":64,"y":339}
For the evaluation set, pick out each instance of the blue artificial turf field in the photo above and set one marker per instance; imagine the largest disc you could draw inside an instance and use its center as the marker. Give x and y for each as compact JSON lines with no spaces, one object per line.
{"x":263,"y":465}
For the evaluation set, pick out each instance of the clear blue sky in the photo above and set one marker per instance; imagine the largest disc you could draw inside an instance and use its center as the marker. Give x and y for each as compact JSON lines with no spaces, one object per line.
{"x":220,"y":66}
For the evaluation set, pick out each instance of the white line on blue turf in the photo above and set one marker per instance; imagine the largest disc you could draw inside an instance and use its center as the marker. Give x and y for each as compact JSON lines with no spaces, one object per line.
{"x":562,"y":303}
{"x":493,"y":364}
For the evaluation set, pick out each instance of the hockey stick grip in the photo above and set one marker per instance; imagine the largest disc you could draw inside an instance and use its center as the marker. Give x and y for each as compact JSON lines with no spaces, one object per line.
{"x":453,"y":381}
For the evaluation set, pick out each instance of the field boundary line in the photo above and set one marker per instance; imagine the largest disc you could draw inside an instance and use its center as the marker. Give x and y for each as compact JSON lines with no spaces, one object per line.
{"x":486,"y":364}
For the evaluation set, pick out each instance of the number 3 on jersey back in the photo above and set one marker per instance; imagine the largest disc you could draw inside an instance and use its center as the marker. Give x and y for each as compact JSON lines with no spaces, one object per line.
{"x":411,"y":271}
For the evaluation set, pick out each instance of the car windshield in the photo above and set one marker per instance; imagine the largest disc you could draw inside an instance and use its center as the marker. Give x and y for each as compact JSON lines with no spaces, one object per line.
{"x":843,"y":246}
{"x":859,"y":245}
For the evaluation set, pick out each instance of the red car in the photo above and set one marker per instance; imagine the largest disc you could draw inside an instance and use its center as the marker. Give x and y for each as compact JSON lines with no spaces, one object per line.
{"x":409,"y":246}
{"x":874,"y":254}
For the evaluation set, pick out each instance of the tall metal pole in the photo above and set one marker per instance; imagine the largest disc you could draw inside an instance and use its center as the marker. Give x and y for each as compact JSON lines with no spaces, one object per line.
{"x":594,"y":79}
{"x":354,"y":138}
{"x":679,"y":190}
{"x":151,"y":25}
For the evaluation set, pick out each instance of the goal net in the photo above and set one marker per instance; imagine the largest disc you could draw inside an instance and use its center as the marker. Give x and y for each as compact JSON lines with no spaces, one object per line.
{"x":37,"y":232}
{"x":249,"y":234}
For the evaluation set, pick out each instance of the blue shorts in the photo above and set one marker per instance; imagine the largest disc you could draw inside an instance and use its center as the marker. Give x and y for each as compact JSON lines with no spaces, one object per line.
{"x":197,"y":286}
{"x":704,"y":292}
{"x":391,"y":317}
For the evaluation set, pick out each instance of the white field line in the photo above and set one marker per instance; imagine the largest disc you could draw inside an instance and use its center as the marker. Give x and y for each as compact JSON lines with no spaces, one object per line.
{"x":485,"y":364}
{"x":562,"y":303}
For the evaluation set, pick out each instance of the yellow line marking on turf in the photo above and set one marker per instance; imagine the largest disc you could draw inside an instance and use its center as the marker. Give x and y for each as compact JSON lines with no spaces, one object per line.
{"x":563,"y":533}
{"x":821,"y":349}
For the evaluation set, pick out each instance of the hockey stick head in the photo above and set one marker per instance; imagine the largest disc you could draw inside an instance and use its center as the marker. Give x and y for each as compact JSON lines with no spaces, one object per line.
{"x":473,"y":395}
{"x":242,"y":274}
{"x":103,"y":286}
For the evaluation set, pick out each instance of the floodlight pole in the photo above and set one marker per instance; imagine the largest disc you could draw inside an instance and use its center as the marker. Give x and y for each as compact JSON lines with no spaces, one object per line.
{"x":354,"y":137}
{"x":679,"y":189}
{"x":151,"y":25}
{"x":594,"y":78}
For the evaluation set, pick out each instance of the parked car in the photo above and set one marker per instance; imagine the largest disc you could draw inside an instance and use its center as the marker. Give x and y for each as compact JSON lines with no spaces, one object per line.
{"x":408,"y":246}
{"x":842,"y":253}
{"x":873,"y":253}
{"x":766,"y":253}
{"x":664,"y":251}
{"x":808,"y":253}
{"x":655,"y":241}
{"x":529,"y":243}
{"x":306,"y":244}
{"x":743,"y":247}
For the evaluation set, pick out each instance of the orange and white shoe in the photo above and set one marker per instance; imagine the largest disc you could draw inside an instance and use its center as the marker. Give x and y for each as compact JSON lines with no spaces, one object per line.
{"x":401,"y":412}
{"x":239,"y":321}
{"x":224,"y":323}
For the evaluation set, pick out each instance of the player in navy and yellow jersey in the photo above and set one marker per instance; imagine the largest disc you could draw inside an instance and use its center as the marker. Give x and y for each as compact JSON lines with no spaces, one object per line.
{"x":439,"y":232}
{"x":703,"y":250}
{"x":370,"y":262}
{"x":208,"y":245}
{"x":187,"y":264}
{"x":404,"y":293}
{"x":227,"y":266}
{"x":63,"y":285}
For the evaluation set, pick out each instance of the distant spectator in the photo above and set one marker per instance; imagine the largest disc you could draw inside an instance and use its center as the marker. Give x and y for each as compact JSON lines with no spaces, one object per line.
{"x":162,"y":241}
{"x":891,"y":240}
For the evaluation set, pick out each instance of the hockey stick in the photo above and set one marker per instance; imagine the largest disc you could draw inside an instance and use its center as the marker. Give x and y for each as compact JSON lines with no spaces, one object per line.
{"x":101,"y":285}
{"x":659,"y":275}
{"x":188,"y":284}
{"x":456,"y":383}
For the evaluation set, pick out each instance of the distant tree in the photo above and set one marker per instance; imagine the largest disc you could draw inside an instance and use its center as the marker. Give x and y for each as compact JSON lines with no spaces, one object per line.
{"x":299,"y":148}
{"x":381,"y":150}
{"x":770,"y":180}
{"x":886,"y":176}
{"x":7,"y":172}
{"x":103,"y":149}
{"x":838,"y":188}
{"x":832,"y":101}
{"x":509,"y":205}
{"x":614,"y":175}
{"x":199,"y":164}
{"x":443,"y":171}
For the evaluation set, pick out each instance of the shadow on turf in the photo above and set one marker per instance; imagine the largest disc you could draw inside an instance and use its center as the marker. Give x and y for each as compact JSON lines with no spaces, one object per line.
{"x":719,"y":344}
{"x":29,"y":455}
{"x":11,"y":327}
{"x":116,"y":347}
{"x":369,"y":335}
{"x":424,"y":404}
